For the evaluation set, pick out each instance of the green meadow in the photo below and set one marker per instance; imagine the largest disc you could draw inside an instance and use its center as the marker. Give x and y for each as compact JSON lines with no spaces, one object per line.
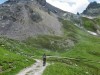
{"x":81,"y":59}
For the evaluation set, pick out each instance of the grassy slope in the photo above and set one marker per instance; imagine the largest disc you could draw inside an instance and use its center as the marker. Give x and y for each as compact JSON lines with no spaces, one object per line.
{"x":86,"y":53}
{"x":16,"y":55}
{"x":83,"y":59}
{"x":11,"y":60}
{"x":91,"y":24}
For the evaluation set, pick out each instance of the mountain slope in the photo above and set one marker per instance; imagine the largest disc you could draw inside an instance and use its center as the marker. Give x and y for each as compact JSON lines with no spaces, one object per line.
{"x":40,"y":30}
{"x":82,"y":59}
{"x":22,"y":19}
{"x":93,"y":9}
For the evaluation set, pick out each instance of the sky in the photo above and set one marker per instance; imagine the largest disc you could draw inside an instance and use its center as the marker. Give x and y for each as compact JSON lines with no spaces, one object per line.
{"x":73,"y":6}
{"x":1,"y":1}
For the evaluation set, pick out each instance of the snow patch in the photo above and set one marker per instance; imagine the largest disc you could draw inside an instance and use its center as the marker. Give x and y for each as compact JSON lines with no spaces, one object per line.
{"x":93,"y":33}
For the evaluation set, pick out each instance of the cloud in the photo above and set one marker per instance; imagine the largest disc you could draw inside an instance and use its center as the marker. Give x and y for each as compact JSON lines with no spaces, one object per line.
{"x":73,"y":6}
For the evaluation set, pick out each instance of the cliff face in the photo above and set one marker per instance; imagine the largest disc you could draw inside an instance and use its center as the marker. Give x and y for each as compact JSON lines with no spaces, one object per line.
{"x":93,"y":9}
{"x":20,"y":19}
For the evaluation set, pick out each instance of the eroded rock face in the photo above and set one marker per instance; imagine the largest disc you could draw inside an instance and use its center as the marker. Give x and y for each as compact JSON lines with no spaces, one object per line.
{"x":42,"y":2}
{"x":98,"y":31}
{"x":93,"y":9}
{"x":25,"y":18}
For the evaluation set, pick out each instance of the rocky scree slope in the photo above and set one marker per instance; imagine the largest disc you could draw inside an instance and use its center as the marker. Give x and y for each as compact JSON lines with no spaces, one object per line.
{"x":20,"y":19}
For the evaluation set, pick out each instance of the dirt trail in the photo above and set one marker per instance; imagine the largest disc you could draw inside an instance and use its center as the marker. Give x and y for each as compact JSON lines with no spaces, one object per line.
{"x":35,"y":69}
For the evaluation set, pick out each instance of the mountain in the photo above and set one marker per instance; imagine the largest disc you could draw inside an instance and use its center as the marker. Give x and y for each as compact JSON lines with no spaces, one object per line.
{"x":20,"y":19}
{"x":30,"y":28}
{"x":93,"y":9}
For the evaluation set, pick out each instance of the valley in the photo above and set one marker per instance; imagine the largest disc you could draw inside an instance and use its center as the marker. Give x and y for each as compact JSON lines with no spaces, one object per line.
{"x":28,"y":29}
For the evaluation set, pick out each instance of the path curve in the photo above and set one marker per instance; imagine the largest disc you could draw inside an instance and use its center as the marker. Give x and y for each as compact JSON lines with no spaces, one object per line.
{"x":35,"y":69}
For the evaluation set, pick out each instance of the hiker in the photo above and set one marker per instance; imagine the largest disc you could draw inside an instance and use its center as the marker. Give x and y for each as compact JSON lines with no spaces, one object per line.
{"x":44,"y":59}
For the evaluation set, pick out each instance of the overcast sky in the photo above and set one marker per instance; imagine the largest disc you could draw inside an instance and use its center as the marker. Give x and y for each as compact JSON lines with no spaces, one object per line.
{"x":73,"y":6}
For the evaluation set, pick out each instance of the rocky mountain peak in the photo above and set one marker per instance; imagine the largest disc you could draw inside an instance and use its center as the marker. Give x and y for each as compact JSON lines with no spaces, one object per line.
{"x":93,"y":9}
{"x":93,"y":5}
